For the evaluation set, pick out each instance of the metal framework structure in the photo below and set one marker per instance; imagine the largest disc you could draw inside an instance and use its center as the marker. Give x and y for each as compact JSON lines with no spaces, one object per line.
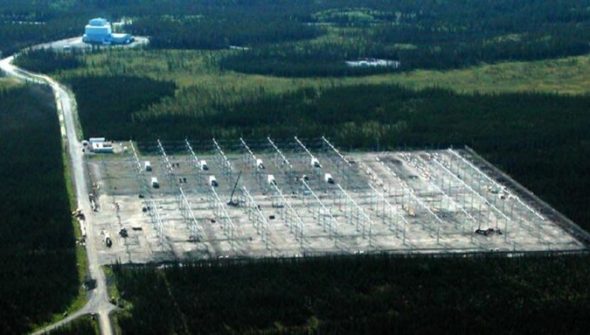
{"x":453,"y":175}
{"x":184,"y":204}
{"x":389,"y":214}
{"x":167,"y":163}
{"x":252,"y":161}
{"x":229,"y":229}
{"x":317,"y":169}
{"x":189,"y":216}
{"x":256,"y":216}
{"x":444,"y":193}
{"x":342,"y":164}
{"x":321,"y":214}
{"x":418,"y":201}
{"x":377,"y":200}
{"x":422,"y":204}
{"x":193,"y":156}
{"x":289,"y":215}
{"x":279,"y":157}
{"x":224,"y":162}
{"x":354,"y":213}
{"x":136,"y":157}
{"x":156,"y":218}
{"x":283,"y":163}
{"x":507,"y":217}
{"x":496,"y":184}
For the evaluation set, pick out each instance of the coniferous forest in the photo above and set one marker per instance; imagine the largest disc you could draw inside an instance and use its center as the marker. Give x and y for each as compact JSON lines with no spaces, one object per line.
{"x":359,"y":295}
{"x":38,"y":274}
{"x":315,"y":38}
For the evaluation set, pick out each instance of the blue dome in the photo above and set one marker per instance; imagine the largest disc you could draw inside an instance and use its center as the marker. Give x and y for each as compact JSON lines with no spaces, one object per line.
{"x":98,"y":22}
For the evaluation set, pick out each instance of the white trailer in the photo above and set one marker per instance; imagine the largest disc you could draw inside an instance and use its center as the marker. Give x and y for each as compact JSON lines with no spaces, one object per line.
{"x":155,"y":183}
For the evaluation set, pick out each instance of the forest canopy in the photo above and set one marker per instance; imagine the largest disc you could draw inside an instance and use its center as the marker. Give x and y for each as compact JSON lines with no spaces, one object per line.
{"x":38,"y":273}
{"x":316,"y":38}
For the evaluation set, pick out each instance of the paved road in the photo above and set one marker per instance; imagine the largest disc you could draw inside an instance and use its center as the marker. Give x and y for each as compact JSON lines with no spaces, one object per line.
{"x":98,"y":301}
{"x":76,"y":43}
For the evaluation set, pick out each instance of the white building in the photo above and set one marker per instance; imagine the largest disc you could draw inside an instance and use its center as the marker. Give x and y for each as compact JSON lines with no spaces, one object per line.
{"x":374,"y":62}
{"x":99,"y":31}
{"x":102,"y":147}
{"x":99,"y":145}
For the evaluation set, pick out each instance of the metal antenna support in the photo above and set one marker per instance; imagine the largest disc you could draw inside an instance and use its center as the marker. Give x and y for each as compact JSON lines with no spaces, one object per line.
{"x":223,"y":216}
{"x":252,"y":162}
{"x":187,"y":211}
{"x":290,"y":216}
{"x":255,"y":214}
{"x":192,"y":152}
{"x":137,"y":161}
{"x":445,"y":194}
{"x":389,"y":211}
{"x":304,"y":147}
{"x":323,"y":214}
{"x":479,"y":196}
{"x":250,"y":154}
{"x":495,"y":183}
{"x":156,"y":219}
{"x":417,"y":200}
{"x":166,"y":160}
{"x":279,"y":154}
{"x":223,"y":161}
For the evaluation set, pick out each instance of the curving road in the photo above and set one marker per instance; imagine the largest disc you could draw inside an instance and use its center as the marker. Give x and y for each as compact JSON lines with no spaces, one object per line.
{"x":98,"y":302}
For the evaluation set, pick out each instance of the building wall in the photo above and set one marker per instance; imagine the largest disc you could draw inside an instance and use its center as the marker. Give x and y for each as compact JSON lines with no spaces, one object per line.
{"x":97,"y":34}
{"x":99,"y":31}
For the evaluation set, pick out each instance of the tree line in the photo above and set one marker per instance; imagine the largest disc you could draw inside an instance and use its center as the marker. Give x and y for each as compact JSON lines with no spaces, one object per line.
{"x":427,"y":35}
{"x":38,"y":273}
{"x":48,"y":60}
{"x":376,"y":294}
{"x":310,"y":38}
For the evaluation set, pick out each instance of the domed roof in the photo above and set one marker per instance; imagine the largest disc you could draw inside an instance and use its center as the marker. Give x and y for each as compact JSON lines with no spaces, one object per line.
{"x":98,"y":22}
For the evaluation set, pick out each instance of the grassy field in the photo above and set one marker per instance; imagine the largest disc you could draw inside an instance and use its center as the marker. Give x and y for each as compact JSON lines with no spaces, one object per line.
{"x":202,"y":85}
{"x":570,"y":75}
{"x":7,"y":83}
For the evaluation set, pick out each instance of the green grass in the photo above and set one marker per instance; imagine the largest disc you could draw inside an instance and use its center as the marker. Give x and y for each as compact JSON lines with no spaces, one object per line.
{"x":81,"y":255}
{"x":8,"y":83}
{"x":199,"y":79}
{"x":569,"y":75}
{"x":112,"y":289}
